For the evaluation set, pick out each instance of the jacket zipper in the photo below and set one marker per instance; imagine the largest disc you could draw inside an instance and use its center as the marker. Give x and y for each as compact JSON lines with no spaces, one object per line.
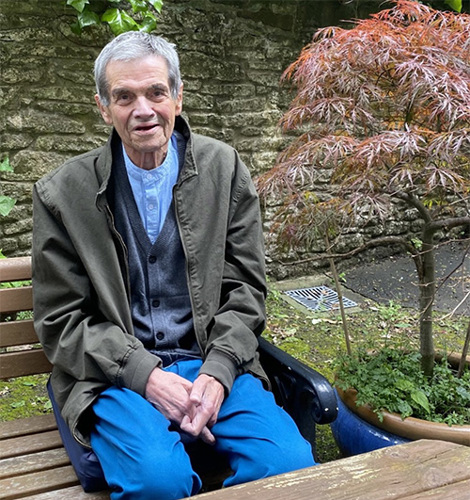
{"x":110,"y":218}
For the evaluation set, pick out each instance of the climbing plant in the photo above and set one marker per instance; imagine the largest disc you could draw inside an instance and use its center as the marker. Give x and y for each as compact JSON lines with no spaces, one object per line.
{"x":119,"y":15}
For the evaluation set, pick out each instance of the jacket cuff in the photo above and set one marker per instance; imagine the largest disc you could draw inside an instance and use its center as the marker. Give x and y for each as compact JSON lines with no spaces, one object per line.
{"x":221,"y":367}
{"x":136,"y":370}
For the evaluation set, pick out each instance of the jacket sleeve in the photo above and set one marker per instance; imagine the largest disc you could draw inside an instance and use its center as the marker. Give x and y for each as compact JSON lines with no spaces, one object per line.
{"x":82,"y":328}
{"x":240,"y":317}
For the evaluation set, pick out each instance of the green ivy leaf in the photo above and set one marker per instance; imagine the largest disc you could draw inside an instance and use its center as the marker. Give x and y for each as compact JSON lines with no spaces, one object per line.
{"x":88,"y":18}
{"x":156,"y":4}
{"x":455,"y":5}
{"x":75,"y":27}
{"x":139,"y":5}
{"x":6,"y":204}
{"x":119,"y":21}
{"x":149,"y":23}
{"x":78,"y":5}
{"x":5,"y":165}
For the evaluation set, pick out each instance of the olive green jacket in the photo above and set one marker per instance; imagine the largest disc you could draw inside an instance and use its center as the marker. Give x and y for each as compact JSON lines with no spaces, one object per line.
{"x":80,"y":274}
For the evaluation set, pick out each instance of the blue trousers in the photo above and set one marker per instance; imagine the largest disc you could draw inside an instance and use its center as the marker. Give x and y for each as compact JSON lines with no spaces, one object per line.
{"x":143,"y":457}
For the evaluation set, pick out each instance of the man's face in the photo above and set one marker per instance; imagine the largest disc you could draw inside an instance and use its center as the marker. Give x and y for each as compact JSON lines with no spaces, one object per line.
{"x":141,"y":108}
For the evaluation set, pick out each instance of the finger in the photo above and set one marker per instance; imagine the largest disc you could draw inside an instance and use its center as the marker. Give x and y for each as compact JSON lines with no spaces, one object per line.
{"x":194,"y":424}
{"x":207,"y":436}
{"x":197,"y":392}
{"x":207,"y":389}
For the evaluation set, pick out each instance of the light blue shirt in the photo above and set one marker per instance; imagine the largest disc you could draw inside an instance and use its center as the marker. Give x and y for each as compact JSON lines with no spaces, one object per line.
{"x":153,"y":189}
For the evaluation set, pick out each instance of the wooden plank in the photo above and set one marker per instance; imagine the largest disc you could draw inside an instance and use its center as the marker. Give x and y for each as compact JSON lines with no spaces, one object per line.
{"x":454,"y":491}
{"x":75,"y":493}
{"x":386,"y":474}
{"x":15,"y":333}
{"x":21,"y":363}
{"x":35,"y":462}
{"x":15,"y":269}
{"x":24,"y":445}
{"x":37,"y":482}
{"x":16,"y":299}
{"x":25,"y":426}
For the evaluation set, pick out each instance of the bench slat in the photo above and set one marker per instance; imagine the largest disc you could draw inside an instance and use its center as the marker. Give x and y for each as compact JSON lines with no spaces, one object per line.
{"x":26,"y":426}
{"x":74,"y":492}
{"x":21,"y":363}
{"x":15,"y":333}
{"x":15,"y":269}
{"x":26,"y":464}
{"x":37,"y":482}
{"x":25,"y":445}
{"x":16,"y":299}
{"x":454,"y":491}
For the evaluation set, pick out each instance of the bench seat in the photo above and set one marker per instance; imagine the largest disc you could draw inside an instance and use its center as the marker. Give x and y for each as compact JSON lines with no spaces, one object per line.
{"x":34,"y":464}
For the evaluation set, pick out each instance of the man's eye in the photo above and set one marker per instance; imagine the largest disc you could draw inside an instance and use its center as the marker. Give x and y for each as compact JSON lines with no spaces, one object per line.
{"x":123,"y":98}
{"x":158,"y":94}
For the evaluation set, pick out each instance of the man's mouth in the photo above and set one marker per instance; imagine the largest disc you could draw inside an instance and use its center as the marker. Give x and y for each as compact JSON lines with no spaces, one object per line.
{"x":145,"y":128}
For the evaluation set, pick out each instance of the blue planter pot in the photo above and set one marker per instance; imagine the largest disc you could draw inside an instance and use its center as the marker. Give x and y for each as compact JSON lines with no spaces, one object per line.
{"x":354,"y":435}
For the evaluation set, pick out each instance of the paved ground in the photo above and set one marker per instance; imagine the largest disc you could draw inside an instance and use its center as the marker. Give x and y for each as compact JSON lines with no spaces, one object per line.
{"x":395,"y":279}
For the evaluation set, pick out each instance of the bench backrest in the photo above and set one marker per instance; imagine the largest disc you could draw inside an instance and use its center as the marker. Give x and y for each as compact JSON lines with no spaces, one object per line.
{"x":20,"y":352}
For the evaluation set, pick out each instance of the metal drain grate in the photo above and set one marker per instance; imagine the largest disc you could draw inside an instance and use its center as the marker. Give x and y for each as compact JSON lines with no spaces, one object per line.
{"x":319,"y":298}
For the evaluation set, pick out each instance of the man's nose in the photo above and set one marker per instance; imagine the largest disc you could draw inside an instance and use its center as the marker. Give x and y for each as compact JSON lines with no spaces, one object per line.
{"x":143,"y":108}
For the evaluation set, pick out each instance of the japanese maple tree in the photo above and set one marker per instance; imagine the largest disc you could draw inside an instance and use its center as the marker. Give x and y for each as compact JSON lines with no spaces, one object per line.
{"x":382,"y":109}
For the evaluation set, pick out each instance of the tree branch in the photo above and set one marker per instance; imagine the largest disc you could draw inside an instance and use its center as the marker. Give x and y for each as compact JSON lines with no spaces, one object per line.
{"x":416,"y":203}
{"x":385,"y":240}
{"x":448,"y":223}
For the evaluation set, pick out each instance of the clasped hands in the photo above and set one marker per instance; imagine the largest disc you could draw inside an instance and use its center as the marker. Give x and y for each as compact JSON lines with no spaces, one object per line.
{"x":193,"y":407}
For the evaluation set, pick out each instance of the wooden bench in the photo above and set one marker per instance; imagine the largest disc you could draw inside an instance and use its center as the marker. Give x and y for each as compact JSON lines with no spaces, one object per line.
{"x":33,"y":462}
{"x":419,"y":470}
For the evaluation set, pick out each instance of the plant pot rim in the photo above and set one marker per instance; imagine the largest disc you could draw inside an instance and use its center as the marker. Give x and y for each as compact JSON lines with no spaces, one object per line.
{"x":409,"y":427}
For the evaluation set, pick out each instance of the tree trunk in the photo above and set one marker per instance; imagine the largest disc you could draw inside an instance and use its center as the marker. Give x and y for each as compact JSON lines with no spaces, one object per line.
{"x":427,"y":290}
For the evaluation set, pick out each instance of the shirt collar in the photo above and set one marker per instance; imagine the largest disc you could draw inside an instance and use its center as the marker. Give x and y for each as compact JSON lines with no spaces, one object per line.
{"x":155,"y":173}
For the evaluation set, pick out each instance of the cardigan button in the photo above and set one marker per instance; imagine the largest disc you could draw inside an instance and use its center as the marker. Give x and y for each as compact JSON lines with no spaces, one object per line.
{"x":160,"y":336}
{"x":152,"y":259}
{"x":155,"y":303}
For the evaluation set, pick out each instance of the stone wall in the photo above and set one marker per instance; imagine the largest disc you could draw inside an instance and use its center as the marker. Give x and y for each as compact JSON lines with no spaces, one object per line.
{"x":232,"y":53}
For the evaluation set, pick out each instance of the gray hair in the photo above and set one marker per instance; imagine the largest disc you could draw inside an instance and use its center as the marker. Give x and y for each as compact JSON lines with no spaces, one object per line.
{"x":135,"y":45}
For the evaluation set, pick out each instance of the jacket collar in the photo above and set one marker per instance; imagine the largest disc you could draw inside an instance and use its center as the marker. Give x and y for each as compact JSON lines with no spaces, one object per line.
{"x":104,"y":162}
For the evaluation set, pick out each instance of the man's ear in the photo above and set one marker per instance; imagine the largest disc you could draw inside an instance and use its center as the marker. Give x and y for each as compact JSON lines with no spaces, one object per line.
{"x":104,"y":111}
{"x":179,"y":101}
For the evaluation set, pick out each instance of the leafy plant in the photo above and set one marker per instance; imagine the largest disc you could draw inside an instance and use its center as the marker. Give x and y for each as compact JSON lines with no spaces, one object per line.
{"x":6,"y":203}
{"x":382,"y":111}
{"x":121,"y":16}
{"x":389,"y":378}
{"x":454,"y":4}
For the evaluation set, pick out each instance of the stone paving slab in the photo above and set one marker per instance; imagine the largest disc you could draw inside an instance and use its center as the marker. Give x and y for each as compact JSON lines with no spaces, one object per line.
{"x":395,"y":279}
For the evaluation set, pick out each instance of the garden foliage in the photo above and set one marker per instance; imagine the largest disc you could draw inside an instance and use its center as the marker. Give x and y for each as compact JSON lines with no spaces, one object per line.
{"x":382,"y":111}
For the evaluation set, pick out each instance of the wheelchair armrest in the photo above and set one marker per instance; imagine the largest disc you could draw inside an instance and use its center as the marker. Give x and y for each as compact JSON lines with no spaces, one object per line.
{"x":303,"y":392}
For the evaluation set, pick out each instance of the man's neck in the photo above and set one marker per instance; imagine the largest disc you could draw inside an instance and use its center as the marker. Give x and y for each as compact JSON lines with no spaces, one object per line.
{"x":148,"y":161}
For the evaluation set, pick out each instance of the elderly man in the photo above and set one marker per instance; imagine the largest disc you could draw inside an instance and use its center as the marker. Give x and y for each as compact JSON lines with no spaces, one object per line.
{"x":149,"y":288}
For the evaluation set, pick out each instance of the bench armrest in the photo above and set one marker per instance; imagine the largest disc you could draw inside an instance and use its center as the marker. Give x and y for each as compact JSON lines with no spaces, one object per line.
{"x":303,"y":392}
